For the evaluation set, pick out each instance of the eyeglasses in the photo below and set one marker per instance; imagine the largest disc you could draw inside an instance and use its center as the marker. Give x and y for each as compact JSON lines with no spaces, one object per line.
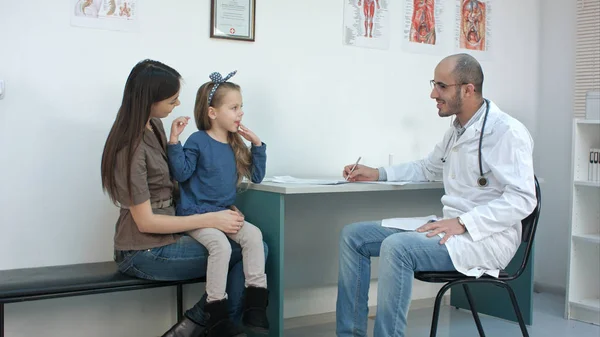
{"x":442,"y":86}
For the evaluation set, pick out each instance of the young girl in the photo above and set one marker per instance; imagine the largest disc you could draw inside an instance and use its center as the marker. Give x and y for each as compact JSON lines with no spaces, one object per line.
{"x":209,"y":168}
{"x":135,"y":174}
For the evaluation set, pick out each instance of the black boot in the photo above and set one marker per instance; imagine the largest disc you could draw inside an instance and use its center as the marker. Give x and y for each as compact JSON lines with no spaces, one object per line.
{"x":185,"y":328}
{"x":255,"y":310}
{"x":219,"y":324}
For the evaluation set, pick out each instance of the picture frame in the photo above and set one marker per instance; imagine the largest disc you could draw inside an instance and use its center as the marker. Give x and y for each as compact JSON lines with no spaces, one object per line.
{"x":233,"y":19}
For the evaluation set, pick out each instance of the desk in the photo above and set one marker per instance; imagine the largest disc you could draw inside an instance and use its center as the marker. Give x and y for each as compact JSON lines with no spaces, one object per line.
{"x":271,"y":205}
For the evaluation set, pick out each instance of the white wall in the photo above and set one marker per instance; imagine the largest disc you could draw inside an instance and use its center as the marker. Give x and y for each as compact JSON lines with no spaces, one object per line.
{"x":316,"y":103}
{"x":553,"y":141}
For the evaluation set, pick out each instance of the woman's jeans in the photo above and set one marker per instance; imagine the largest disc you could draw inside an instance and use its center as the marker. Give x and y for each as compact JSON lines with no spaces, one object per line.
{"x":401,"y":253}
{"x":183,"y":260}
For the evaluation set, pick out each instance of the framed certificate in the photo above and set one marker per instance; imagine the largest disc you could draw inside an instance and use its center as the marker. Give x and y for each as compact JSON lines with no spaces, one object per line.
{"x":232,"y":19}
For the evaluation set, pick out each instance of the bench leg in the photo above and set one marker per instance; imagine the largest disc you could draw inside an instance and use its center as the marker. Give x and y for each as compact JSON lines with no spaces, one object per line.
{"x":179,"y":303}
{"x":1,"y":319}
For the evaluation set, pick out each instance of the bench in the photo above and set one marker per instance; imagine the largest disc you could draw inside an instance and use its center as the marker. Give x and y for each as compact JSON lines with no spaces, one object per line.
{"x":32,"y":284}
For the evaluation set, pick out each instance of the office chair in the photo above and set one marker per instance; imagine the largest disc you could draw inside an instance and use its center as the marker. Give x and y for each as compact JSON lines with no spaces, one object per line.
{"x":455,"y":278}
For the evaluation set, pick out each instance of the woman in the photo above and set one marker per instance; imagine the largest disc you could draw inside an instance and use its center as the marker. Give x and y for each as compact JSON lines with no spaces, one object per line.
{"x":135,"y":174}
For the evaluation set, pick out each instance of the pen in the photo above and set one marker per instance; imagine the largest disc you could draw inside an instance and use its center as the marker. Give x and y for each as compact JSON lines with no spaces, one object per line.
{"x":353,"y":167}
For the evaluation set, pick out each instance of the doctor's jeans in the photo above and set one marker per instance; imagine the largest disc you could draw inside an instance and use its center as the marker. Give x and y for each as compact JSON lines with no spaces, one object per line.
{"x":401,"y":254}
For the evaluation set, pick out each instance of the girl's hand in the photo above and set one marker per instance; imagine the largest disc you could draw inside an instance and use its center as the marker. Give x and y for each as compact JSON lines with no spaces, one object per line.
{"x":177,"y":128}
{"x":249,"y":135}
{"x":228,"y":221}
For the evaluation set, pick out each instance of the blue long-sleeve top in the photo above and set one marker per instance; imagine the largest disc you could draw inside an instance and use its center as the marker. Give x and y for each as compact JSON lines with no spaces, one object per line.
{"x":206,"y":171}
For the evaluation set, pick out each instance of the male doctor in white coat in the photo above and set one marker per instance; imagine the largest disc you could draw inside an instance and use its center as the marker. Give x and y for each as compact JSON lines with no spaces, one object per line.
{"x":481,"y":226}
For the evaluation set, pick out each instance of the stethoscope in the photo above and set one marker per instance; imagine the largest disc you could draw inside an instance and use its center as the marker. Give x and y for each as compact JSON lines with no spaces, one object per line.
{"x":481,"y":181}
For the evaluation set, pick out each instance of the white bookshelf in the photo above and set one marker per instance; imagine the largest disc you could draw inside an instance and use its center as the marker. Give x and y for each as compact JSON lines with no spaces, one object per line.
{"x":583,"y":283}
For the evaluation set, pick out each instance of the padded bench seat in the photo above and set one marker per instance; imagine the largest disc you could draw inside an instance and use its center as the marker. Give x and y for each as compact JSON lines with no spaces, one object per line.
{"x":30,"y":284}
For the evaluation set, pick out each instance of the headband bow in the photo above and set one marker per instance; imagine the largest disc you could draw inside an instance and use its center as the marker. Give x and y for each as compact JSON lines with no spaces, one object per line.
{"x":217,"y":79}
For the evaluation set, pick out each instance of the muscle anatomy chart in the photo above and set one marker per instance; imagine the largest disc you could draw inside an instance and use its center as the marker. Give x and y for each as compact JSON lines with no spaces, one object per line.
{"x":366,"y":23}
{"x":473,"y":24}
{"x":105,"y":14}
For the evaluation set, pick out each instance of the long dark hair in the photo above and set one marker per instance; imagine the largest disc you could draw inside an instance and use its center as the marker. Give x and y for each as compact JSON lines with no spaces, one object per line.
{"x":243,"y":158}
{"x":149,"y":82}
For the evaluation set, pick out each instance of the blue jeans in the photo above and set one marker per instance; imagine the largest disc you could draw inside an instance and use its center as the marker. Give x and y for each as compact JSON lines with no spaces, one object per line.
{"x":183,"y":260}
{"x":401,"y":254}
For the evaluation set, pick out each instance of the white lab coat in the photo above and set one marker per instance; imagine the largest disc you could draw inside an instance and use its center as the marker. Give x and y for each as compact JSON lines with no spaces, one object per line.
{"x":492,"y":214}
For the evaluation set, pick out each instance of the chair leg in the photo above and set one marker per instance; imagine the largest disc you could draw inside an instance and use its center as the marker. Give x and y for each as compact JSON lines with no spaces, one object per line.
{"x":515,"y":304}
{"x":473,"y":310}
{"x":1,"y":319}
{"x":436,"y":309}
{"x":179,"y":302}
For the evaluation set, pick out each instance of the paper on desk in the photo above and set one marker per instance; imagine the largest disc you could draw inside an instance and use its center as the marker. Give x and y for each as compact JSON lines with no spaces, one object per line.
{"x":292,"y":180}
{"x":407,"y":224}
{"x":398,"y":183}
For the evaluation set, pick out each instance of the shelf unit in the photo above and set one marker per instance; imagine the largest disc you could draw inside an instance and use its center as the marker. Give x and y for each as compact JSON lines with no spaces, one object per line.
{"x":583,"y":283}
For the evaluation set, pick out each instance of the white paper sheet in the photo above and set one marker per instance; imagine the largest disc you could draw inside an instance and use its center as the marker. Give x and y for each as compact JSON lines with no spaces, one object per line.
{"x":408,"y":224}
{"x":397,"y":183}
{"x":292,"y":180}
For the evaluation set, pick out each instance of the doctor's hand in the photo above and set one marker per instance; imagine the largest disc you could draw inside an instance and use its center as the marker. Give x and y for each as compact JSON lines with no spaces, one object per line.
{"x":450,"y":227}
{"x":360,"y":173}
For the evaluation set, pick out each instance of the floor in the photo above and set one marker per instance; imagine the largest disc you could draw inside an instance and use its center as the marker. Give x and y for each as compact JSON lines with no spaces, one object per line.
{"x":548,"y":321}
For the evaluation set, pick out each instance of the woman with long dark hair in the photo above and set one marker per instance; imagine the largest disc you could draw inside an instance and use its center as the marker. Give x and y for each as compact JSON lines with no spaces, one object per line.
{"x":135,"y":174}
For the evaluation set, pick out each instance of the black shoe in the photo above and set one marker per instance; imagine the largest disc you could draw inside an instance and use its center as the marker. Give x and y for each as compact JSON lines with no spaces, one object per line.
{"x":219,"y":324}
{"x":255,"y":310}
{"x":185,"y":328}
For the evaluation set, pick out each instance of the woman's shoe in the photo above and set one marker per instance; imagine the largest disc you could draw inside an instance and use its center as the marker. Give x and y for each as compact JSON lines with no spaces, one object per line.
{"x":185,"y":328}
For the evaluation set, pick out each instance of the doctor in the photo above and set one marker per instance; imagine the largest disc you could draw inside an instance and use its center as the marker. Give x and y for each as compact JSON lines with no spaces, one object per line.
{"x":485,"y":161}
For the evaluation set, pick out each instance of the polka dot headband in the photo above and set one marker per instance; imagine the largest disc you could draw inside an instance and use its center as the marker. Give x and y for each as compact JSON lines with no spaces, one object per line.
{"x":217,"y":79}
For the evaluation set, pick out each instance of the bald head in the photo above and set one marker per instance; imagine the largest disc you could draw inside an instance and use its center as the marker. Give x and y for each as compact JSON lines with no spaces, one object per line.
{"x":466,"y":69}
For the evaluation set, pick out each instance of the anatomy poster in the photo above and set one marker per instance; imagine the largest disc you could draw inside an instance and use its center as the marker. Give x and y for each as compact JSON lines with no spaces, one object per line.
{"x":423,"y":26}
{"x":473,"y":27}
{"x":105,"y":14}
{"x":367,"y":23}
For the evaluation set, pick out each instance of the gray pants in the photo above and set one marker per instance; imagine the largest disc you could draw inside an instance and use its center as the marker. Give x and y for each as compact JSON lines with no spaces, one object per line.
{"x":249,"y":237}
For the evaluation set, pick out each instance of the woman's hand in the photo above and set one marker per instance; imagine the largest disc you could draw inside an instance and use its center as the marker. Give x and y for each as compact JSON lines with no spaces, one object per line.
{"x":228,"y":221}
{"x":233,"y":208}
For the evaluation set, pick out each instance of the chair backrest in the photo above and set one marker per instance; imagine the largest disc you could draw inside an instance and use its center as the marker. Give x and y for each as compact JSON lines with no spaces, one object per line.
{"x":529,"y":225}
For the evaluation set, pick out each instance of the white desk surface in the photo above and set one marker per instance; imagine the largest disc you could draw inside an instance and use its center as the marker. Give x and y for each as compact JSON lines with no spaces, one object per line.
{"x":268,"y":186}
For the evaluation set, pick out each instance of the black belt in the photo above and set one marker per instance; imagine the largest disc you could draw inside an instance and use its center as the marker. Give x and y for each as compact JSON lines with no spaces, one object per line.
{"x":119,"y":256}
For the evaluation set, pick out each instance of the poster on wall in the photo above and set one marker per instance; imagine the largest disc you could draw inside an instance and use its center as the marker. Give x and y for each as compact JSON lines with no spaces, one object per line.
{"x":473,"y":27}
{"x":424,"y":27}
{"x":367,"y":23}
{"x":105,"y":14}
